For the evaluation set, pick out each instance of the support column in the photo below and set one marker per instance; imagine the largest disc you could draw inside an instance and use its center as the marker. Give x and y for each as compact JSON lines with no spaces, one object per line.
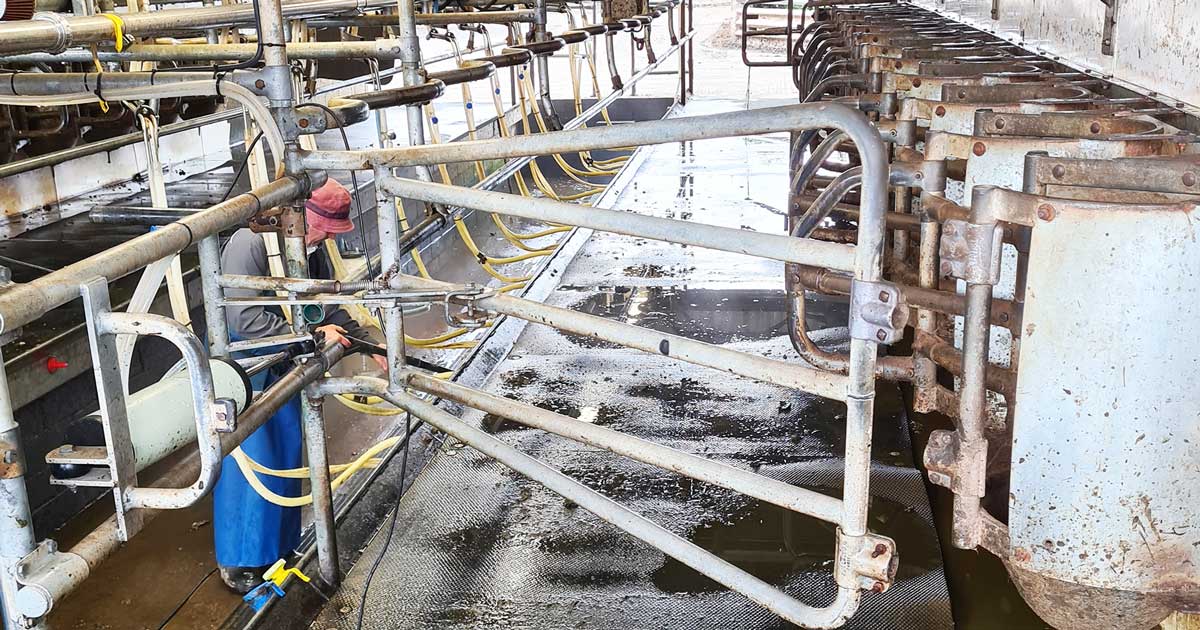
{"x":16,"y":521}
{"x":324,"y":525}
{"x":543,"y":68}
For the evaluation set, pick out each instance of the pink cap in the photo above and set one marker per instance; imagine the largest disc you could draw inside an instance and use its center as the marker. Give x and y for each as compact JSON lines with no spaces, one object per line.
{"x":328,"y":210}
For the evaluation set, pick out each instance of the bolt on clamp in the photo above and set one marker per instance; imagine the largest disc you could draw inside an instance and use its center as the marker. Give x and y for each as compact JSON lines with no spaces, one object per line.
{"x":866,"y":562}
{"x":971,"y":251}
{"x":878,"y":311}
{"x":471,"y":317}
{"x":958,"y":465}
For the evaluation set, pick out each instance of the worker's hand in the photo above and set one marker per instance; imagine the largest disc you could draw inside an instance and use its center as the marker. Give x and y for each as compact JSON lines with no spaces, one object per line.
{"x":381,"y":360}
{"x":333,"y":332}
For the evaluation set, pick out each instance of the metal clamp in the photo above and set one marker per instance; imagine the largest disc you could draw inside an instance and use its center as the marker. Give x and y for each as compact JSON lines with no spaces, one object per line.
{"x":472,"y":316}
{"x":43,"y":574}
{"x":955,"y":464}
{"x":866,"y":562}
{"x":878,"y":311}
{"x":225,"y":415}
{"x":971,"y":251}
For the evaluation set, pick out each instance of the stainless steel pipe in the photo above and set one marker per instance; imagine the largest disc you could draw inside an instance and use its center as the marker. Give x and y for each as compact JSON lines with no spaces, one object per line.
{"x":784,"y":373}
{"x":773,"y":491}
{"x":774,"y":246}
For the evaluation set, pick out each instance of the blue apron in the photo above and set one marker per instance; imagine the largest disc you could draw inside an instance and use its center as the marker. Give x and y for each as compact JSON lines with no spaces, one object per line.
{"x":248,"y":530}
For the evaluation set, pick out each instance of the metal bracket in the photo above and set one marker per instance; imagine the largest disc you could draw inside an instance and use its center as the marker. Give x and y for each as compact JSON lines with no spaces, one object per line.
{"x":878,"y":311}
{"x":971,"y":251}
{"x":957,"y":465}
{"x":225,"y":415}
{"x":472,"y":316}
{"x":866,"y":562}
{"x":1110,"y":26}
{"x":44,"y":572}
{"x":122,"y":463}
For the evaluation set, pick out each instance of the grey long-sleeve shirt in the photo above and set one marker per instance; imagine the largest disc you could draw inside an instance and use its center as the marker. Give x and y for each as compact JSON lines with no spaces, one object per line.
{"x":246,"y":254}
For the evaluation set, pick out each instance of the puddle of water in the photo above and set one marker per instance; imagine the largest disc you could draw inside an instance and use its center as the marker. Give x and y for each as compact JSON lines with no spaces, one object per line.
{"x":709,"y":315}
{"x":777,"y":545}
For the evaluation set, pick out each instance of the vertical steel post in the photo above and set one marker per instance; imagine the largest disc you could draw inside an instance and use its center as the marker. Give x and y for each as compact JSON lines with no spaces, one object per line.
{"x":322,"y":494}
{"x":214,"y":314}
{"x":972,"y":406}
{"x":16,"y":520}
{"x":683,"y":88}
{"x":543,"y":68}
{"x":389,"y":255}
{"x":691,"y":50}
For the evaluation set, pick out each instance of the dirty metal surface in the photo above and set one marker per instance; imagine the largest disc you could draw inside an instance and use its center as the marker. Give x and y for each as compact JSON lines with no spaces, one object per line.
{"x":476,"y":545}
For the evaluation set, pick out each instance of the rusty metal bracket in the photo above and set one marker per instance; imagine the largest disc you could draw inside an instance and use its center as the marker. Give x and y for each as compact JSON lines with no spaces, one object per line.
{"x":956,"y":464}
{"x":266,"y":220}
{"x":866,"y":562}
{"x":1110,"y":26}
{"x":971,"y":251}
{"x":878,"y":311}
{"x":12,"y":465}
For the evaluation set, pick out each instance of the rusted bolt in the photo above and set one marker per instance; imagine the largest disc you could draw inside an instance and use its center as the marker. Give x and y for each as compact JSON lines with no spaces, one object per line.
{"x":1095,"y":127}
{"x":962,"y":94}
{"x":999,"y":123}
{"x":877,"y":587}
{"x":1189,"y":179}
{"x":880,"y":549}
{"x":260,"y":84}
{"x":917,"y":82}
{"x":881,"y":335}
{"x":884,"y":297}
{"x":979,"y":148}
{"x":1003,"y":317}
{"x":940,"y":111}
{"x":303,"y":122}
{"x":1045,"y":212}
{"x":899,"y":64}
{"x":1058,"y":171}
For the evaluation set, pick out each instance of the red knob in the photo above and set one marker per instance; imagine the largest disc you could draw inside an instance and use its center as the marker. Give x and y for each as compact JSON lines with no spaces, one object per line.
{"x":53,"y":365}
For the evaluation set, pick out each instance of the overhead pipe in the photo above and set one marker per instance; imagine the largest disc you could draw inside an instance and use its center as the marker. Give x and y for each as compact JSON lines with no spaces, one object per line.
{"x":381,"y":49}
{"x":57,"y":32}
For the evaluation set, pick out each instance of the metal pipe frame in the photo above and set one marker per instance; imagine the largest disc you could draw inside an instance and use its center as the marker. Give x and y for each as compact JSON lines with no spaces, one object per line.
{"x":381,"y":49}
{"x":26,"y":302}
{"x":774,"y":246}
{"x":203,"y":400}
{"x":53,"y":32}
{"x":844,"y":605}
{"x":776,"y":492}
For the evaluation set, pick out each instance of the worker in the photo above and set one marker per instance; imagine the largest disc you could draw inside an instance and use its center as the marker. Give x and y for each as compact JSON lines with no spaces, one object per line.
{"x":250,"y":532}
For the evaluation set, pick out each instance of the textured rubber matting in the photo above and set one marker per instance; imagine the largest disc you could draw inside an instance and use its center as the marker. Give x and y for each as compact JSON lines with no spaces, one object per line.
{"x":477,"y":546}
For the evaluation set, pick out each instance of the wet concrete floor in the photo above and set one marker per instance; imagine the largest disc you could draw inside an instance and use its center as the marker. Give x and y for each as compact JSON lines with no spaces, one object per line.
{"x":478,"y":546}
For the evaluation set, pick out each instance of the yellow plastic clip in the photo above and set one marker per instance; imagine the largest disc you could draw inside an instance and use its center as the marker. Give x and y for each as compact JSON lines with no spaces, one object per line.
{"x":118,"y":29}
{"x":118,"y":43}
{"x":277,"y":573}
